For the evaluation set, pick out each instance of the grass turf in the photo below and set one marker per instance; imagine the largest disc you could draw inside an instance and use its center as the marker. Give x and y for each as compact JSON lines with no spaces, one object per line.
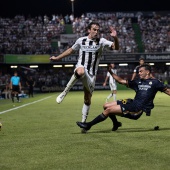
{"x":43,"y":135}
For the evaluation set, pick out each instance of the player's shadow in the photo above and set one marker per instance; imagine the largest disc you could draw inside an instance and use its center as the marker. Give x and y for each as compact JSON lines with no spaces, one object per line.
{"x":161,"y":105}
{"x":125,"y":130}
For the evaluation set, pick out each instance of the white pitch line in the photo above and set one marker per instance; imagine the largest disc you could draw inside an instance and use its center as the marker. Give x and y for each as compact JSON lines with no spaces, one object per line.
{"x":24,"y":105}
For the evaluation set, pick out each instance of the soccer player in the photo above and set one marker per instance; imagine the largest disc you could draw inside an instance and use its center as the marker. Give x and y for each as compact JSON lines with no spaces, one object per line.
{"x":15,"y":86}
{"x":136,"y":70}
{"x":145,"y":87}
{"x":112,"y":83}
{"x":90,"y":49}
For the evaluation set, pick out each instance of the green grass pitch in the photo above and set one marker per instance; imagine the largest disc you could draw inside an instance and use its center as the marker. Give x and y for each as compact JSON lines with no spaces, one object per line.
{"x":39,"y":134}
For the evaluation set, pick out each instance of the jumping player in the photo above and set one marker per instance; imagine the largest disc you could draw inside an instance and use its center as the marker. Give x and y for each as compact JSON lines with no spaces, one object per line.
{"x":146,"y":88}
{"x":90,"y":49}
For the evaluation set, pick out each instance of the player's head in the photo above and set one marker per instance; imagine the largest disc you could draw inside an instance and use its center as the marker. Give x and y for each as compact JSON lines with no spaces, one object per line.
{"x":15,"y":73}
{"x":141,"y":61}
{"x":93,"y":30}
{"x":92,"y":23}
{"x":112,"y":65}
{"x":144,"y":71}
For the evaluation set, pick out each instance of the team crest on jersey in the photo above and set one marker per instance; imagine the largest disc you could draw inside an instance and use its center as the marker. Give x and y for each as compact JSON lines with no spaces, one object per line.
{"x":150,"y":82}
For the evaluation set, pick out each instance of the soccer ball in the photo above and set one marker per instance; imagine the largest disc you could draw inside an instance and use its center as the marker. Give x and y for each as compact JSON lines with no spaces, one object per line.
{"x":0,"y":125}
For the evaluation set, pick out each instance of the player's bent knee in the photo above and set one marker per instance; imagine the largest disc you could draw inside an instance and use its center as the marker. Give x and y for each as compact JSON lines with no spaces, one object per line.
{"x":80,"y":72}
{"x":108,"y":110}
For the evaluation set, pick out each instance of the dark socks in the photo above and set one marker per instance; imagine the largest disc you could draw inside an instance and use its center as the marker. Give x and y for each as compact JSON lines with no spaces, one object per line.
{"x":12,"y":97}
{"x":116,"y":124}
{"x":98,"y":119}
{"x":113,"y":118}
{"x":17,"y":97}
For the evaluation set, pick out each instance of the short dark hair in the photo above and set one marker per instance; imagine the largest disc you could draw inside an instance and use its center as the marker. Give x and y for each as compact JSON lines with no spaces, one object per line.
{"x":146,"y":66}
{"x":92,"y":23}
{"x":141,"y":58}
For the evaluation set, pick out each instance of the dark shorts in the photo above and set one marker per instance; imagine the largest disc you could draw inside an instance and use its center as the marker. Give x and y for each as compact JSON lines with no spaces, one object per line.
{"x":128,"y":107}
{"x":15,"y":88}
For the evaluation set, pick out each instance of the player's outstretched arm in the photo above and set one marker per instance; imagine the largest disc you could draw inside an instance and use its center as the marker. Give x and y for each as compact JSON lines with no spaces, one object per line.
{"x":115,"y":45}
{"x":62,"y":55}
{"x":117,"y":78}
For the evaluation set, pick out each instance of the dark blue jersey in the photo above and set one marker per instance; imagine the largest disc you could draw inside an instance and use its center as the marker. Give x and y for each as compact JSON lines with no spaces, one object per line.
{"x":146,"y":90}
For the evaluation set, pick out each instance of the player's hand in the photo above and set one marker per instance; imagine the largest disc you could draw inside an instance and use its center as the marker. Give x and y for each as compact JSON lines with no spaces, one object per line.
{"x":53,"y":58}
{"x":113,"y":31}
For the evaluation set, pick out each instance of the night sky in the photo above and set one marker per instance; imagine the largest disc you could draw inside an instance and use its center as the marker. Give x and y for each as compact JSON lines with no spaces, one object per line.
{"x":10,"y":8}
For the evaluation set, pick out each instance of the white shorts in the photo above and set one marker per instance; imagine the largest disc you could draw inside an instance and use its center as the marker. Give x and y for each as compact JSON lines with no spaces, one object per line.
{"x":113,"y":86}
{"x":88,"y":81}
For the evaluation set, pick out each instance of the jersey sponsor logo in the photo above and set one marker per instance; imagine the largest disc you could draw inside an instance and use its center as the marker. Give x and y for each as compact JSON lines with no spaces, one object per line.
{"x":144,"y":87}
{"x":91,"y":48}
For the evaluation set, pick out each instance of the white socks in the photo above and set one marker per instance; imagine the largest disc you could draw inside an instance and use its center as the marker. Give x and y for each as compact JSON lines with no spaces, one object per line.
{"x":110,"y":95}
{"x":71,"y":83}
{"x":85,"y":111}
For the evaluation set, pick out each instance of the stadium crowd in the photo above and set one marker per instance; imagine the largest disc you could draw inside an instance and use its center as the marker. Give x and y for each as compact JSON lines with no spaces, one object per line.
{"x":155,"y":33}
{"x":29,"y":36}
{"x":34,"y":35}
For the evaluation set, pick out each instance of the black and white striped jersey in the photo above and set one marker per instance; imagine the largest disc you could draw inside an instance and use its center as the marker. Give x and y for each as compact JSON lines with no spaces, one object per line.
{"x":90,"y":52}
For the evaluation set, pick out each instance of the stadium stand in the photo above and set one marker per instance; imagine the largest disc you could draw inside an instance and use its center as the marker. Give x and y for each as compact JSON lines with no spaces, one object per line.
{"x":41,"y":34}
